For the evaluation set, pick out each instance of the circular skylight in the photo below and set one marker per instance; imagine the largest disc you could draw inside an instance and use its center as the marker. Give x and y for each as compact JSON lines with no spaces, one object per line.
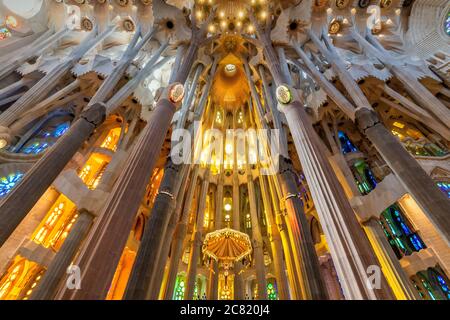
{"x":230,"y":70}
{"x":25,"y":9}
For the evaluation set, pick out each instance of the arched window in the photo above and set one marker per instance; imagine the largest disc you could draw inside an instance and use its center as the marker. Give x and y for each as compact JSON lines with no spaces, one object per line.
{"x":364,"y":177}
{"x":403,"y":239}
{"x":346,"y":145}
{"x":180,"y":288}
{"x":8,"y":182}
{"x":47,"y":136}
{"x":272,"y":293}
{"x":445,"y":187}
{"x":432,"y":284}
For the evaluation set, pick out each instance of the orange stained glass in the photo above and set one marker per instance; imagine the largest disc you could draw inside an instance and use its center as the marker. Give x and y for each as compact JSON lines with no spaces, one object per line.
{"x":56,"y":225}
{"x":20,"y":279}
{"x":112,"y":139}
{"x":93,"y":170}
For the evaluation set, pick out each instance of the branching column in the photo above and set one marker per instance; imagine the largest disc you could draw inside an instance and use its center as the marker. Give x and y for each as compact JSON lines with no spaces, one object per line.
{"x":16,"y":205}
{"x":180,"y":235}
{"x":49,"y":284}
{"x":350,"y":249}
{"x":415,"y":180}
{"x":257,"y":241}
{"x":239,"y":289}
{"x":197,"y":239}
{"x":275,"y":242}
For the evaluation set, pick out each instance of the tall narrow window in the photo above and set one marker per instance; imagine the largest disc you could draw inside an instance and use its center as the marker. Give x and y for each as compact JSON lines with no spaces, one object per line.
{"x":403,"y":238}
{"x":346,"y":145}
{"x":180,"y":288}
{"x":272,"y":291}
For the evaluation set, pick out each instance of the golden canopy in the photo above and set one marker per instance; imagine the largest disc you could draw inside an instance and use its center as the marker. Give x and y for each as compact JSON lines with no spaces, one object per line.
{"x":227,"y":245}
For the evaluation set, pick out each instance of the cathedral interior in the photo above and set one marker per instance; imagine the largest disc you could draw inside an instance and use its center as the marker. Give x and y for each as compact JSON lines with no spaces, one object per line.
{"x":224,"y":149}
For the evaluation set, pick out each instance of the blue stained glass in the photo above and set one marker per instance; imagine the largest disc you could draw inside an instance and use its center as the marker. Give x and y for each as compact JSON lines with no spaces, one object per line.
{"x":61,"y":129}
{"x":417,"y":243}
{"x":346,"y":145}
{"x":8,"y":182}
{"x":35,"y":148}
{"x":402,"y":223}
{"x":445,"y":187}
{"x":443,"y":285}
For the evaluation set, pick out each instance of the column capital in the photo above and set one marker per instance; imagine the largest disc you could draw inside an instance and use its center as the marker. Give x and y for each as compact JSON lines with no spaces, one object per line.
{"x":366,"y":118}
{"x":95,"y":114}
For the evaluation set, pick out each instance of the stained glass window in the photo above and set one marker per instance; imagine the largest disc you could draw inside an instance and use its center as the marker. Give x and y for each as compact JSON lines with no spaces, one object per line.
{"x":4,"y":33}
{"x":445,"y":187}
{"x":346,"y":145}
{"x":47,"y":136}
{"x":35,"y":147}
{"x":447,"y":24}
{"x":432,"y":284}
{"x":8,"y":182}
{"x":180,"y":288}
{"x":271,"y":291}
{"x":61,"y":129}
{"x":399,"y":232}
{"x":364,"y":177}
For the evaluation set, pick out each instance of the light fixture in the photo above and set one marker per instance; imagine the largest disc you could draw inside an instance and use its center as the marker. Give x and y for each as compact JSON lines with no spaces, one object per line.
{"x":385,"y":3}
{"x":3,"y":143}
{"x":87,"y":24}
{"x":227,"y":207}
{"x":335,"y":27}
{"x":230,"y":69}
{"x":284,"y":94}
{"x":176,"y":92}
{"x":11,"y":22}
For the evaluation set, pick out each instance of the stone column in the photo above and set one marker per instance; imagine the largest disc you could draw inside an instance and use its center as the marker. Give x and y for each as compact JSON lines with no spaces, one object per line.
{"x":348,"y":245}
{"x":275,"y":242}
{"x":307,"y":267}
{"x":257,"y":241}
{"x":197,"y":241}
{"x":149,"y":261}
{"x":306,"y":260}
{"x":239,"y":293}
{"x":179,"y":235}
{"x":16,"y":205}
{"x":412,"y":176}
{"x":293,"y":277}
{"x":166,"y":242}
{"x":48,"y":286}
{"x":400,"y":283}
{"x":146,"y":262}
{"x":213,"y":293}
{"x":106,"y":244}
{"x":350,"y":249}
